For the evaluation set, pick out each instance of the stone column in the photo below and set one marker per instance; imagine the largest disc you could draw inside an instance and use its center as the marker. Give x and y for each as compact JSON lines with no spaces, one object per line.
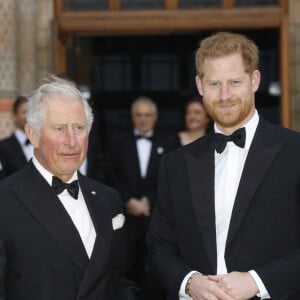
{"x":8,"y":54}
{"x":294,"y":8}
{"x":27,"y":31}
{"x":45,"y":38}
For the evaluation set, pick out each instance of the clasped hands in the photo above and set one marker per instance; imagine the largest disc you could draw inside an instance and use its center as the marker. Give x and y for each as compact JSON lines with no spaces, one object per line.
{"x":138,"y":207}
{"x":231,"y":286}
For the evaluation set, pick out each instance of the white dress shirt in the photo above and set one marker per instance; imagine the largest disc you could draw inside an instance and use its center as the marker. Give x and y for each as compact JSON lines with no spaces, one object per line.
{"x":26,"y":147}
{"x":229,"y":166}
{"x":83,"y":167}
{"x":144,"y":147}
{"x":76,"y":208}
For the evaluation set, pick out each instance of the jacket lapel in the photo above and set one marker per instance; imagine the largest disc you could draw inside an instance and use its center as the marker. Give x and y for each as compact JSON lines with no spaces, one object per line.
{"x":200,"y":168}
{"x":133,"y":158}
{"x":102,"y":220}
{"x":265,"y":146}
{"x":46,"y":208}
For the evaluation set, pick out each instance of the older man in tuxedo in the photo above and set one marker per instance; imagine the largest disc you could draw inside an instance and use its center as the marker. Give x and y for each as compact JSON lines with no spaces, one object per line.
{"x":61,"y":232}
{"x":227,"y":223}
{"x":136,"y":157}
{"x":16,"y":150}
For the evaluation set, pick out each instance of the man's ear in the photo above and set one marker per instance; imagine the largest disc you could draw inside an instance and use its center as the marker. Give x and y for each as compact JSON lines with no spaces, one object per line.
{"x":199,"y":85}
{"x":32,"y":136}
{"x":255,"y":79}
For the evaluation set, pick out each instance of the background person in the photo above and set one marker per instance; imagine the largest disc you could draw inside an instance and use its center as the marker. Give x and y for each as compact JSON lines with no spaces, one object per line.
{"x":135,"y":160}
{"x":197,"y":123}
{"x":16,"y":150}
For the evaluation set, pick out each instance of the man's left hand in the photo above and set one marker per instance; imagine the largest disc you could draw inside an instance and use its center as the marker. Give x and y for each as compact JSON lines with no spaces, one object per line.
{"x":239,"y":285}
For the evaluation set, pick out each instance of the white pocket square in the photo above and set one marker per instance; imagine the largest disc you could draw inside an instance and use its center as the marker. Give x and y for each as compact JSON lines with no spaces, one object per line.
{"x":118,"y":221}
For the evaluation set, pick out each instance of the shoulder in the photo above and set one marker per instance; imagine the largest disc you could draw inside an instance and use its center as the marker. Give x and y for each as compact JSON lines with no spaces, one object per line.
{"x":275,"y":132}
{"x":8,"y":141}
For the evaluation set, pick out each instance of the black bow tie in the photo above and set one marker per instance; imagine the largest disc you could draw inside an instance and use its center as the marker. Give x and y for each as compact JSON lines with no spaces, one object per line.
{"x":140,"y":136}
{"x":238,"y":137}
{"x":59,"y":187}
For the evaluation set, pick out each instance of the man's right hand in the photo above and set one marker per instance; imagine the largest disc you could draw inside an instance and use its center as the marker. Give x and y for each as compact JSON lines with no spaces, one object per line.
{"x":201,"y":288}
{"x":137,"y":207}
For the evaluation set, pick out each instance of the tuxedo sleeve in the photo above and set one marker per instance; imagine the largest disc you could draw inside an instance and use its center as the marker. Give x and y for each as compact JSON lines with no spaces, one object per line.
{"x":164,"y":261}
{"x":281,"y":277}
{"x":2,"y":269}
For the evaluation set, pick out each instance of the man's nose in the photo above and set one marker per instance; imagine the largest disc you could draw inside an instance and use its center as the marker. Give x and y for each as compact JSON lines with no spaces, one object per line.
{"x":225,"y":92}
{"x":70,"y":137}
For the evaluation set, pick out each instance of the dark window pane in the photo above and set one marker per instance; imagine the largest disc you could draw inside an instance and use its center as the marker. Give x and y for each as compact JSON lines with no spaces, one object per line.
{"x":199,"y":3}
{"x":159,"y":72}
{"x":142,"y":4}
{"x":112,"y":73}
{"x":85,"y":4}
{"x":241,"y":3}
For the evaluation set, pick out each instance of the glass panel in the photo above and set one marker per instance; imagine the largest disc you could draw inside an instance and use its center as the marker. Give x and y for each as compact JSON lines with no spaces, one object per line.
{"x":241,"y":3}
{"x":199,"y":3}
{"x":112,"y":73}
{"x":85,"y":4}
{"x":143,"y":4}
{"x":159,"y":72}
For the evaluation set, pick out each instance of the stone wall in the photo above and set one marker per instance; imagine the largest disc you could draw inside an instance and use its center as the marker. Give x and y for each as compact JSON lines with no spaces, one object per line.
{"x":26,"y":50}
{"x":294,"y":8}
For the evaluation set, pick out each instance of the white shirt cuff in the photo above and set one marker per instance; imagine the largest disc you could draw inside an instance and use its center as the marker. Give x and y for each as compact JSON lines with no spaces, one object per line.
{"x":182,"y":294}
{"x":263,"y":293}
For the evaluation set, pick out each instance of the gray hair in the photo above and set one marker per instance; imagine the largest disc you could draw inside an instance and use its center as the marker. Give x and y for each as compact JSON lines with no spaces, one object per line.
{"x":52,"y":86}
{"x":144,"y":100}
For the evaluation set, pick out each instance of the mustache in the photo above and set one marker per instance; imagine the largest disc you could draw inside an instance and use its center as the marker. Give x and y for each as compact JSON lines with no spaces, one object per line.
{"x":226,"y":102}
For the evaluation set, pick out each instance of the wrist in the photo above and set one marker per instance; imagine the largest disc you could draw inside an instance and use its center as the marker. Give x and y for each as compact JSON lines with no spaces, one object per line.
{"x":188,"y":283}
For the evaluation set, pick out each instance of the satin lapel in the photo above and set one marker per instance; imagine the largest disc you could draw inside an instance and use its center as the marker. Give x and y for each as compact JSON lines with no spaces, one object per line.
{"x":133,"y":159}
{"x":102,"y":220}
{"x":265,"y":146}
{"x":44,"y":205}
{"x":200,"y":168}
{"x":153,"y":159}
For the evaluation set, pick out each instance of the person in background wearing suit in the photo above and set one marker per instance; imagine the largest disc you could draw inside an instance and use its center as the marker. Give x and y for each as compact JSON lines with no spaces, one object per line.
{"x":227,"y":221}
{"x":16,"y":150}
{"x":136,"y":157}
{"x":61,"y":231}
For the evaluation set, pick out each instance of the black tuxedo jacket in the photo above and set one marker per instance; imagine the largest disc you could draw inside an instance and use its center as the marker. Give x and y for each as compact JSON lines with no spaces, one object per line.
{"x":125,"y":175}
{"x":45,"y":257}
{"x":12,"y":156}
{"x":264,"y":232}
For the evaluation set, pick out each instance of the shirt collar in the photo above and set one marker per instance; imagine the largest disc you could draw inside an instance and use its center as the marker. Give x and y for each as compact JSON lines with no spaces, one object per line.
{"x":21,"y":136}
{"x":48,"y":175}
{"x":147,"y":134}
{"x":250,"y":128}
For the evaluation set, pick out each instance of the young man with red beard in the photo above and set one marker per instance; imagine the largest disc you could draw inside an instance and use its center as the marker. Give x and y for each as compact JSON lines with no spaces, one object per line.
{"x":227,"y":222}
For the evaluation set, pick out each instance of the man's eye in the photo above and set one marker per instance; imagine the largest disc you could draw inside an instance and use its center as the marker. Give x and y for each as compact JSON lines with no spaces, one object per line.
{"x":235,"y":82}
{"x":214,"y":84}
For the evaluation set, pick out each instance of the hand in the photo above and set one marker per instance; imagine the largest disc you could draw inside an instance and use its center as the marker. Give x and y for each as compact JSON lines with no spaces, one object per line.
{"x":239,"y":285}
{"x":146,"y":206}
{"x":137,"y":207}
{"x":201,"y":288}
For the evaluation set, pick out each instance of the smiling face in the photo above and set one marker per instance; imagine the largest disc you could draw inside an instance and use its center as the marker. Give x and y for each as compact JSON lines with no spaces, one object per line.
{"x":228,"y":91}
{"x":195,"y":116}
{"x":61,"y":146}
